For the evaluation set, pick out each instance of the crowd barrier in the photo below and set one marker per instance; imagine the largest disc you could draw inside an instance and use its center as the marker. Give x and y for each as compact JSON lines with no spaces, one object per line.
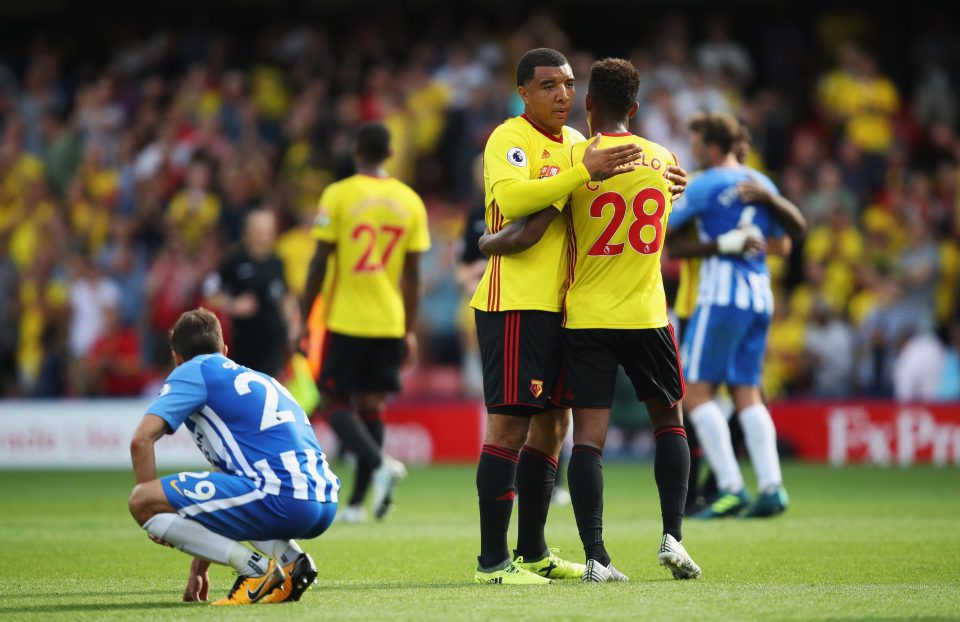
{"x":96,"y":433}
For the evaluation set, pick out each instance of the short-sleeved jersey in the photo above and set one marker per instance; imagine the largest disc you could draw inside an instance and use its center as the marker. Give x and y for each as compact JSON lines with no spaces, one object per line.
{"x":248,"y":424}
{"x":712,"y":199}
{"x":374,"y":222}
{"x":617,"y":230}
{"x":531,"y":279}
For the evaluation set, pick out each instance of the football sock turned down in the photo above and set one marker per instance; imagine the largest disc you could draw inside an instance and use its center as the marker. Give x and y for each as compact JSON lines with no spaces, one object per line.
{"x":671,"y":469}
{"x":496,"y":489}
{"x":354,"y":435}
{"x":373,"y":422}
{"x":585,"y":478}
{"x":194,"y":539}
{"x":713,"y":432}
{"x":536,"y":475}
{"x":284,"y":551}
{"x":760,"y":437}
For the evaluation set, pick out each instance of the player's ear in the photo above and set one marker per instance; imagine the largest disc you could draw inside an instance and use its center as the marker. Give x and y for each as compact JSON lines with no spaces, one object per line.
{"x":633,"y":110}
{"x":522,"y":90}
{"x":177,"y":359}
{"x":226,"y":348}
{"x":588,"y":104}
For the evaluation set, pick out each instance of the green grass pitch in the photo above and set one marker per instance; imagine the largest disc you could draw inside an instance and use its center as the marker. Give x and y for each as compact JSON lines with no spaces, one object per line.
{"x":857,"y":543}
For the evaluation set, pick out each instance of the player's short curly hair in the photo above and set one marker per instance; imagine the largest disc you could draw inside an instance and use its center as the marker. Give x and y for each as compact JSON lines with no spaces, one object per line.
{"x":538,"y":57}
{"x":196,"y":332}
{"x":614,"y":83}
{"x":373,"y":142}
{"x":717,"y":128}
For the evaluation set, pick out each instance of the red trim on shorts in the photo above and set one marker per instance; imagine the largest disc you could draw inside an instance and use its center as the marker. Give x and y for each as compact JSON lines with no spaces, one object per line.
{"x":536,"y":453}
{"x":670,"y":429}
{"x":507,"y":352}
{"x":676,"y":351}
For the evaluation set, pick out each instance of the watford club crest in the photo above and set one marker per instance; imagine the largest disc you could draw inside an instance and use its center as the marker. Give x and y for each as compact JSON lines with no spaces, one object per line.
{"x":536,"y":387}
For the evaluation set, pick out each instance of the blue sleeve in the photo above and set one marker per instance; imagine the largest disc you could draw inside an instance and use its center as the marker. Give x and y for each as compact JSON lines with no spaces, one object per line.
{"x":183,"y":394}
{"x":776,"y":229}
{"x":689,"y":205}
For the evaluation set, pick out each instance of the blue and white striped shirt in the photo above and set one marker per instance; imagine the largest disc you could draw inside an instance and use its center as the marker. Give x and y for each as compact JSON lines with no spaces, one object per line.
{"x":248,"y":424}
{"x":712,"y":199}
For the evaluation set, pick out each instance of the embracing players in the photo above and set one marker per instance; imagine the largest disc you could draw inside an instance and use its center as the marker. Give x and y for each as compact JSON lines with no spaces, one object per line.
{"x":614,"y":313}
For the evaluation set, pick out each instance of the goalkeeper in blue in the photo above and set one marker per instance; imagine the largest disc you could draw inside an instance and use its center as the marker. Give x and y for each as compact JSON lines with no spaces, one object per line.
{"x":269,"y":485}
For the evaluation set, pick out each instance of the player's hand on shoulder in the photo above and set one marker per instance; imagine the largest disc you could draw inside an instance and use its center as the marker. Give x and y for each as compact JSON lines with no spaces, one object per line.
{"x":609,"y":161}
{"x":677,"y":177}
{"x":754,"y":192}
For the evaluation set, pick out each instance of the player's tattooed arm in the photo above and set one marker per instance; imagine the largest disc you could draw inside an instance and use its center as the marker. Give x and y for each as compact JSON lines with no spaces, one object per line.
{"x":519,"y":235}
{"x":786,"y":213}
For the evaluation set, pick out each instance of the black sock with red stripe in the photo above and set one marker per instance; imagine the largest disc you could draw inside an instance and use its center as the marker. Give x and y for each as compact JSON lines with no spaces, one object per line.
{"x":496,"y":489}
{"x":671,"y":468}
{"x":373,"y":422}
{"x":585,"y":478}
{"x":536,"y":474}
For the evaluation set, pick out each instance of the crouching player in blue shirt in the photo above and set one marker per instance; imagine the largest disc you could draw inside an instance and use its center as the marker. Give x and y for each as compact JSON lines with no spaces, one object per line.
{"x":270,"y":482}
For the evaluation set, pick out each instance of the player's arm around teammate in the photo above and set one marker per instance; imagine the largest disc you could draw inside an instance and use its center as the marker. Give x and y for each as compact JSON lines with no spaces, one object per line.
{"x":521,"y":234}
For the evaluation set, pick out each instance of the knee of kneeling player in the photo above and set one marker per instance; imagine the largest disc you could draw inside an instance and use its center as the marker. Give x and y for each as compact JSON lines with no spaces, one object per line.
{"x":139,"y":504}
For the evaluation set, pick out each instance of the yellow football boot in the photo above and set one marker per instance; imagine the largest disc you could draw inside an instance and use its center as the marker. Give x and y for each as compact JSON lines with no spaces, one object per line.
{"x":553,"y":567}
{"x":248,"y":590}
{"x":300,"y":574}
{"x":509,"y":573}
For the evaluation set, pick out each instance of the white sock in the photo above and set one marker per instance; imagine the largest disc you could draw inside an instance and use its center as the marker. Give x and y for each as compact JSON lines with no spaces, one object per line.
{"x":284,"y":551}
{"x":194,"y":539}
{"x":761,"y":439}
{"x":714,"y":436}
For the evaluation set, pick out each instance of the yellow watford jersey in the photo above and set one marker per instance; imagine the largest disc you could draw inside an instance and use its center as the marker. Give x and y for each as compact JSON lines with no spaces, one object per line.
{"x":374,"y":222}
{"x":519,"y":151}
{"x":617,"y":230}
{"x":686,"y":300}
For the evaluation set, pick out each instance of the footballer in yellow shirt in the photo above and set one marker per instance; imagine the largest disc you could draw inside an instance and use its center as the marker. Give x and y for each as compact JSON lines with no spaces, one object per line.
{"x":370,"y":231}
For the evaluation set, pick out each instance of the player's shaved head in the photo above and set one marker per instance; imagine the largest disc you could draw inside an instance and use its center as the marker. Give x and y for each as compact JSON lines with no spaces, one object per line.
{"x":717,"y":128}
{"x":373,"y":143}
{"x":538,"y":57}
{"x":614,"y":83}
{"x":196,"y":332}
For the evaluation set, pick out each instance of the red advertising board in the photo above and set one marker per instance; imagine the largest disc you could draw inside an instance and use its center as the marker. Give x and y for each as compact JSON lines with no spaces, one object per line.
{"x":882,"y":433}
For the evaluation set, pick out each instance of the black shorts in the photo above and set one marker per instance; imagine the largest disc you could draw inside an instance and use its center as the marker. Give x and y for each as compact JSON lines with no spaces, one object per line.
{"x":590,"y":359}
{"x":521,"y":357}
{"x":352,"y":365}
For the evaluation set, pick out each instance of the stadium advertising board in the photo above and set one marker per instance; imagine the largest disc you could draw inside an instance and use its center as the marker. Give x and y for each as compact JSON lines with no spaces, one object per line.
{"x":880,"y":433}
{"x":97,"y":433}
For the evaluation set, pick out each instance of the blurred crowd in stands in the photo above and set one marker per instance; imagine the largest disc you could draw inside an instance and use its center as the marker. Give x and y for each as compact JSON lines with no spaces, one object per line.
{"x":125,"y":184}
